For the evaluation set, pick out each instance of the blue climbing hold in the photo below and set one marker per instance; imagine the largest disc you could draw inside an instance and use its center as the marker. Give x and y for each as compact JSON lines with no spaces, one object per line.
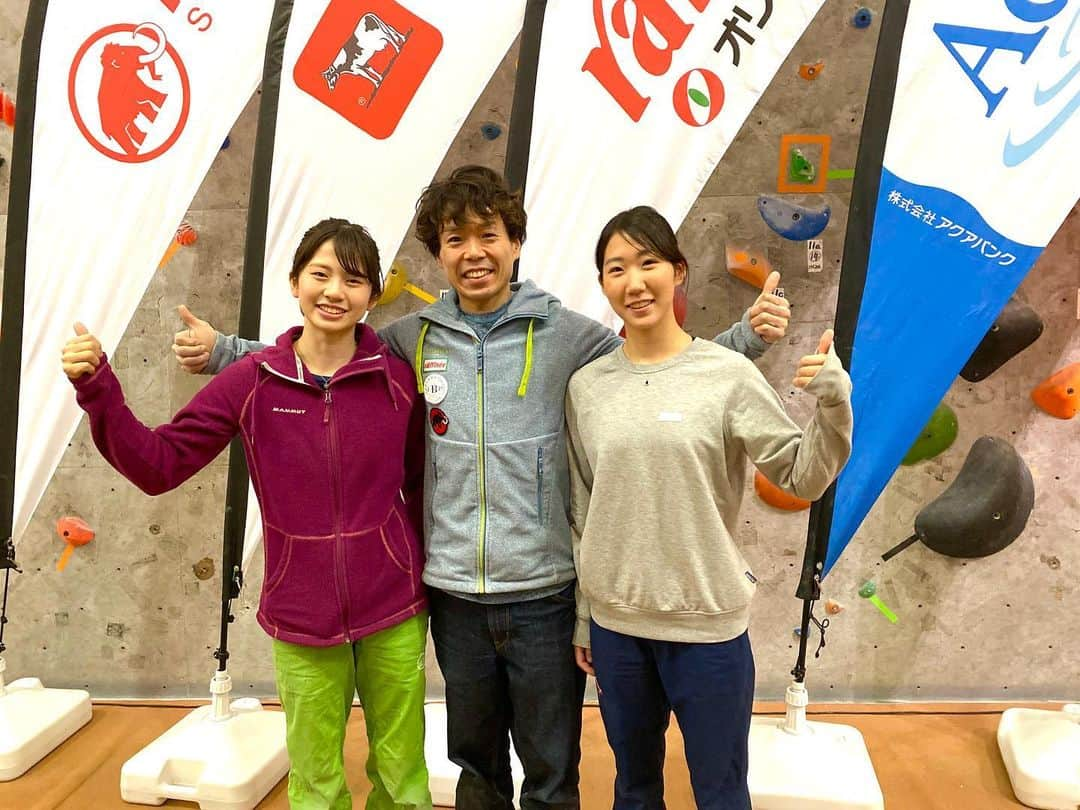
{"x":863,"y":17}
{"x":226,"y":143}
{"x":795,"y":222}
{"x":490,"y":131}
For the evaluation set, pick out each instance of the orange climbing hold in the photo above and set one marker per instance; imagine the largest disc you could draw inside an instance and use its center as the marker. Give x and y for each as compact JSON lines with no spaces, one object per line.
{"x":776,"y":497}
{"x":811,"y":70}
{"x":1059,"y":394}
{"x":7,"y":109}
{"x":186,"y":235}
{"x":748,"y":265}
{"x":74,"y":531}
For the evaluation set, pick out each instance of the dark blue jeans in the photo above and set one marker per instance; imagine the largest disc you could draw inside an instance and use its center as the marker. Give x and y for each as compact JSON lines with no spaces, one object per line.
{"x":510,"y":672}
{"x":711,"y":689}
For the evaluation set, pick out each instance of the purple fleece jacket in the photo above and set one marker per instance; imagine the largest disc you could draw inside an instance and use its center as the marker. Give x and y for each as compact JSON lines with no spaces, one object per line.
{"x":338,"y":473}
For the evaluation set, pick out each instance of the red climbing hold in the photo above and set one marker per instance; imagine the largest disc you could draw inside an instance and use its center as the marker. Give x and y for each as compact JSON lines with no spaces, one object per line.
{"x":7,"y":109}
{"x":74,"y":531}
{"x":186,"y":235}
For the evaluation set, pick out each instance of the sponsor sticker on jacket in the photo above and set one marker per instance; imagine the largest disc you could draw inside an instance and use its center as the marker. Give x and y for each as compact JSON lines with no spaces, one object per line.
{"x":439,"y":423}
{"x":435,"y":388}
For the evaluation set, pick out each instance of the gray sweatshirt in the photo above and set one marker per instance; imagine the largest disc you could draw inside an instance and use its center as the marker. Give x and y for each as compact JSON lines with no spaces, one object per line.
{"x":658,"y":459}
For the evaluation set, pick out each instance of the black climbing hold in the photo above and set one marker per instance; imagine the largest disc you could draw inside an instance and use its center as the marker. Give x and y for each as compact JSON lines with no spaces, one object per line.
{"x":863,"y":17}
{"x":490,"y":131}
{"x":984,"y":509}
{"x":1016,"y":328}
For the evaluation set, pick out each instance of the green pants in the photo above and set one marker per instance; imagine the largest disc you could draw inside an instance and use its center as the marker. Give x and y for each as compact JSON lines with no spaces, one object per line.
{"x":316,"y":685}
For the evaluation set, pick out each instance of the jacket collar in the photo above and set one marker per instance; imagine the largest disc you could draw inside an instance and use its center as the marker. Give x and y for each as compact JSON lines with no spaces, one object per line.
{"x":283,"y":360}
{"x":526,"y":301}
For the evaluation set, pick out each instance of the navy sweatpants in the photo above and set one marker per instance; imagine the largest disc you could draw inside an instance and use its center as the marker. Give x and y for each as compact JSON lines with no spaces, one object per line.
{"x":711,"y":689}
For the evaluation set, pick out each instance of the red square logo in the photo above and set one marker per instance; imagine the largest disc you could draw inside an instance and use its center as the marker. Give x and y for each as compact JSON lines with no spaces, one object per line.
{"x":366,"y":61}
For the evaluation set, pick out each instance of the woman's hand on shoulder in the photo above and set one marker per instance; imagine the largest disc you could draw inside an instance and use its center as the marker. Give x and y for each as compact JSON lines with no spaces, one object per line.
{"x":82,"y":354}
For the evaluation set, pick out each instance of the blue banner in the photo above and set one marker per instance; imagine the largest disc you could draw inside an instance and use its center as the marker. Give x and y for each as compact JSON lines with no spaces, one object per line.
{"x":978,"y":173}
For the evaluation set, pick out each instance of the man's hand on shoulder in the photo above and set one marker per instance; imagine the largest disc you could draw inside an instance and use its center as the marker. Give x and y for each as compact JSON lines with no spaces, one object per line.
{"x":192,"y":345}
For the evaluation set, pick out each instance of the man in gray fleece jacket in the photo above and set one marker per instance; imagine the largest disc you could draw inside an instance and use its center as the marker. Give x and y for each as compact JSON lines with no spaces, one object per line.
{"x":493,"y":360}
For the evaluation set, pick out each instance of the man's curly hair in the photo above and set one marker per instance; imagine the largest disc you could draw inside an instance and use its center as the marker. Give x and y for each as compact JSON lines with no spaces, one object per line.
{"x":469,"y":190}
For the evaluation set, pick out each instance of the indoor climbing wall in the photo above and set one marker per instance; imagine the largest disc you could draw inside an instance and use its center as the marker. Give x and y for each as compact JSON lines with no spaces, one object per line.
{"x":120,"y":592}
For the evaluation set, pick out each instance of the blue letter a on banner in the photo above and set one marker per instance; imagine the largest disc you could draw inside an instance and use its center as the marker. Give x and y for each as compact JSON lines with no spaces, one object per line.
{"x":991,"y":41}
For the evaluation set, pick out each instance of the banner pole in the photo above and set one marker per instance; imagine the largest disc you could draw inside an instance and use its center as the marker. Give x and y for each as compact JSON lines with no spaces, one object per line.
{"x":14,"y":292}
{"x":516,"y":168}
{"x":236,"y":493}
{"x":856,"y":258}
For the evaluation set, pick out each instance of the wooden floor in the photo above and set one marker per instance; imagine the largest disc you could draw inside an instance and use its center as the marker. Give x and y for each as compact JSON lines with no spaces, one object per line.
{"x":929,"y":757}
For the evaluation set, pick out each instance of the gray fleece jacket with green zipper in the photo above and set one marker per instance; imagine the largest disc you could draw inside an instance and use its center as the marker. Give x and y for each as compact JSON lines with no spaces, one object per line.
{"x":497,"y":490}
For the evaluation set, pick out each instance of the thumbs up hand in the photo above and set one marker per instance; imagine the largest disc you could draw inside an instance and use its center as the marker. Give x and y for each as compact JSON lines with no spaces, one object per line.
{"x":193,"y":344}
{"x":81,"y":354}
{"x":770,"y":313}
{"x":811,"y":364}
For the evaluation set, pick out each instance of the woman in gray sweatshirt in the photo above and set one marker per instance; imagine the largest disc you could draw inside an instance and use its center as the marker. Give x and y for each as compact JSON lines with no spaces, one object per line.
{"x":660,"y":435}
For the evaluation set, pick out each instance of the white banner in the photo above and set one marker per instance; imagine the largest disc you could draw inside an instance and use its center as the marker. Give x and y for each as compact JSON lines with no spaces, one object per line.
{"x":134,"y":99}
{"x":372,"y":95}
{"x":636,"y":104}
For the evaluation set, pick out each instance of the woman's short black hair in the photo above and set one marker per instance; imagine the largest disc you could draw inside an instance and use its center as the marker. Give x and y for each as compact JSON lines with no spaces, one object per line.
{"x":353,"y":246}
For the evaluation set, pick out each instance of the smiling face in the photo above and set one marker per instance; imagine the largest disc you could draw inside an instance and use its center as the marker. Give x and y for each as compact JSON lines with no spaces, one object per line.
{"x":478,"y":257}
{"x":332,"y":300}
{"x":639,"y":285}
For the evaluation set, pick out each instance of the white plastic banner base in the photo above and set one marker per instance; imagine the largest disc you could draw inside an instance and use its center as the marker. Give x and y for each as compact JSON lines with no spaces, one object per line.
{"x":1041,"y":750}
{"x":228,"y":764}
{"x":825,"y":767}
{"x":34,"y":721}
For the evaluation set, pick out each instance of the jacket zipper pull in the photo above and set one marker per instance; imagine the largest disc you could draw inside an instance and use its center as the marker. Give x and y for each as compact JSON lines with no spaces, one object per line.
{"x":540,"y":485}
{"x":326,"y":412}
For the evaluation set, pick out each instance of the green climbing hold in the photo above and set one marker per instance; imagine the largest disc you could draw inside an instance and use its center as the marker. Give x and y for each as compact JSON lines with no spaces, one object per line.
{"x":800,"y":170}
{"x":869,"y":591}
{"x":935,"y":438}
{"x":698,"y":97}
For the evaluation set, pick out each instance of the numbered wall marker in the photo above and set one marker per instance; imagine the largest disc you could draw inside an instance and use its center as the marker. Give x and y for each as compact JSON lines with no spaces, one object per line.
{"x":815,"y":255}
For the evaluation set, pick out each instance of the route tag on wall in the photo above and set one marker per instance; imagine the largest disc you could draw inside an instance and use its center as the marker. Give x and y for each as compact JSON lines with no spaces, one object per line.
{"x":815,"y":255}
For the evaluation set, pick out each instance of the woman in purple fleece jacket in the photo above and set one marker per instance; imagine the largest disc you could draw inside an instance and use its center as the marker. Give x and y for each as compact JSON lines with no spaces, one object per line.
{"x":332,"y":430}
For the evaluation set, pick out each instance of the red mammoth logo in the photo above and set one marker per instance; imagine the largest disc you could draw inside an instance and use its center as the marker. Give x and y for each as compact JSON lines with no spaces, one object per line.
{"x":129,"y":92}
{"x":367,"y":63}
